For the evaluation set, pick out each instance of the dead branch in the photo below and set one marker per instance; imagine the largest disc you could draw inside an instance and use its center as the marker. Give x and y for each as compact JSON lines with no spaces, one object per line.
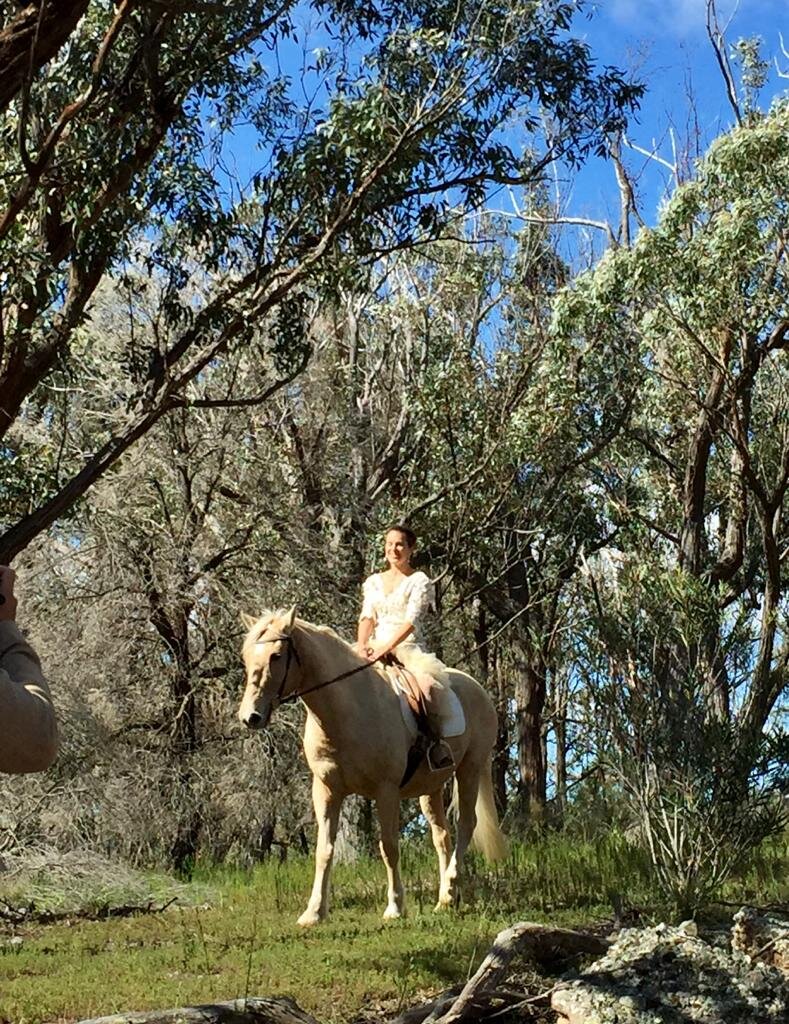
{"x":19,"y":915}
{"x":717,"y":37}
{"x":540,"y":942}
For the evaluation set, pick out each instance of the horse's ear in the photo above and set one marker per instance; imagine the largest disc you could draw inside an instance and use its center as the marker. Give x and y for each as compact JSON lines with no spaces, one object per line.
{"x":290,"y":618}
{"x":248,"y":620}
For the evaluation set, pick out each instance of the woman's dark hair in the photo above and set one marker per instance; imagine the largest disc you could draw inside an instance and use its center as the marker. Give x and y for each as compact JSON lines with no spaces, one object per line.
{"x":406,"y":531}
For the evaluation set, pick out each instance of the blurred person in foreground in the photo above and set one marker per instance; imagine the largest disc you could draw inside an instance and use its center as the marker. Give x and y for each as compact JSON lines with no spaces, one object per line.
{"x":28,"y":729}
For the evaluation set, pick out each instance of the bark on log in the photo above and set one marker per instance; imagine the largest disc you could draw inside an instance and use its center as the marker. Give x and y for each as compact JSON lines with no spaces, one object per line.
{"x":281,"y":1010}
{"x":432,"y":1009}
{"x":525,"y":938}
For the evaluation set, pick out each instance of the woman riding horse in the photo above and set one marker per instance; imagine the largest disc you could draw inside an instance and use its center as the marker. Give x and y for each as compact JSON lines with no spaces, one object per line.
{"x":356,"y":740}
{"x":395,"y":603}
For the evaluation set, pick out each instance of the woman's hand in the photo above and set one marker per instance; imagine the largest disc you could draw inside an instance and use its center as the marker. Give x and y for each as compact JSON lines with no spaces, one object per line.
{"x":374,"y":653}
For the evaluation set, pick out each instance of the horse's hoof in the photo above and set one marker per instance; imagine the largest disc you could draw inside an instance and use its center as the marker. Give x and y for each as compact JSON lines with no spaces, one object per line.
{"x":309,"y":919}
{"x":393,"y":914}
{"x":444,"y":903}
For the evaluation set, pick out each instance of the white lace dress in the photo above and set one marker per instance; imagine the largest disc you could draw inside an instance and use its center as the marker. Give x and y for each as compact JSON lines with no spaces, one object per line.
{"x":410,"y":601}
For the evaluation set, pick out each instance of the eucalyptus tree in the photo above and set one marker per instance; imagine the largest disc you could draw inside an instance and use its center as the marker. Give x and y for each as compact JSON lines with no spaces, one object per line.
{"x":691,"y":612}
{"x":32,"y":35}
{"x":120,"y":134}
{"x":229,"y":505}
{"x":161,"y":558}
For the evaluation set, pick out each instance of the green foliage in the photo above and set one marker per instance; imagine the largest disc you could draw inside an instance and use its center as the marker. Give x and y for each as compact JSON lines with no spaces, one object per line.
{"x":685,"y":649}
{"x":754,"y":69}
{"x":702,"y":797}
{"x":418,"y":104}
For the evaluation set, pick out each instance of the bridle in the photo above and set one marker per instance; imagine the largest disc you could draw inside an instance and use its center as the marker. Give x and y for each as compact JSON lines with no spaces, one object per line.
{"x":293,"y":655}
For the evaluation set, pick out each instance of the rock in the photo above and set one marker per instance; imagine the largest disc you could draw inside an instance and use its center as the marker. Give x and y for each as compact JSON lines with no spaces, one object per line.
{"x":666,"y":975}
{"x":764,"y":937}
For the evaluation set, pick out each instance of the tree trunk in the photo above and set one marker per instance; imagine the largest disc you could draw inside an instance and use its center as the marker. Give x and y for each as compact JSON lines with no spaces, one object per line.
{"x":281,"y":1010}
{"x":49,"y":25}
{"x":185,"y":847}
{"x":530,"y":691}
{"x":560,"y":736}
{"x":174,"y":632}
{"x":368,"y":828}
{"x":266,"y":838}
{"x":501,"y":752}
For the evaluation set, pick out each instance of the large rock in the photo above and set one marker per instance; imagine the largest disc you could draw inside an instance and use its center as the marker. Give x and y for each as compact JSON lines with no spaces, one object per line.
{"x":669,"y":975}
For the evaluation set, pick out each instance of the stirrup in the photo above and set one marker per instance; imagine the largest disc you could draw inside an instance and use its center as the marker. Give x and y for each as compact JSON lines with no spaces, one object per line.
{"x":439,"y":756}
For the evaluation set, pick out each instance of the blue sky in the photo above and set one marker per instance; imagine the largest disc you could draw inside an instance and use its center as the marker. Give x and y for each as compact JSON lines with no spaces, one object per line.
{"x":665,"y":42}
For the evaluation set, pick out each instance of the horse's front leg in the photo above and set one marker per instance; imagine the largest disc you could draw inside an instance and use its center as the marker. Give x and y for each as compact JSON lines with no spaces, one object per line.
{"x":388,"y":805}
{"x":327,"y":804}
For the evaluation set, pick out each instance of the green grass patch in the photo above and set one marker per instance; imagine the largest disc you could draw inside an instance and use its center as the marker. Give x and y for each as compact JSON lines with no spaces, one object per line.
{"x":764,"y":879}
{"x":244,"y":939}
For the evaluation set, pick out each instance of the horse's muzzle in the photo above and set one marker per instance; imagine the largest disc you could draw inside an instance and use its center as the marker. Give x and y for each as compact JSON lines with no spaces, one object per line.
{"x":254,"y":720}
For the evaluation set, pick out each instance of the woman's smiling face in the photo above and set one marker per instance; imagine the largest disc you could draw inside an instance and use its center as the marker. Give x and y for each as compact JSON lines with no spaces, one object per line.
{"x":397,"y":550}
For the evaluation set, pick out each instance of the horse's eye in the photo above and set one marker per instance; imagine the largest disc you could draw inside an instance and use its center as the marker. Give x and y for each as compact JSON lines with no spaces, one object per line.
{"x":274,"y":656}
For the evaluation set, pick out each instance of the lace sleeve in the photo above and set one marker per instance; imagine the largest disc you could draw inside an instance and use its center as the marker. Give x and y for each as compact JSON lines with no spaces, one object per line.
{"x":421,"y":600}
{"x":368,"y":606}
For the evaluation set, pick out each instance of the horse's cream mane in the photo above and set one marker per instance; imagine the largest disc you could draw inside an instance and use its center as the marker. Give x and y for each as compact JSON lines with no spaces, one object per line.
{"x":267,"y":616}
{"x":256,"y":626}
{"x":310,"y":628}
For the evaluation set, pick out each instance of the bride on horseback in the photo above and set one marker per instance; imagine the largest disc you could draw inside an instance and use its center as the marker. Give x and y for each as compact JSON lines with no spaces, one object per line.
{"x":395,"y":603}
{"x":355,"y":741}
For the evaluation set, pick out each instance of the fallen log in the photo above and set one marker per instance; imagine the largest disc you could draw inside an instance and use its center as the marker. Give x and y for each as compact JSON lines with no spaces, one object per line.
{"x":433,"y":1008}
{"x":23,"y":915}
{"x":485,"y":1004}
{"x":540,"y":942}
{"x":479,"y":997}
{"x":281,"y":1010}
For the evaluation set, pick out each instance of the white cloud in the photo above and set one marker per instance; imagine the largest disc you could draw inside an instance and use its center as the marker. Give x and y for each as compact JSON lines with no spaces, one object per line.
{"x":679,"y":18}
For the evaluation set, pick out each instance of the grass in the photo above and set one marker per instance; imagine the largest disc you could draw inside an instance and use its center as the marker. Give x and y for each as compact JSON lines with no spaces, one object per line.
{"x":241,"y":938}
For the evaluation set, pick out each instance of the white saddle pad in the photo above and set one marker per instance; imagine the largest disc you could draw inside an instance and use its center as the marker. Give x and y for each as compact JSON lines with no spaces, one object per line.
{"x":454,"y":725}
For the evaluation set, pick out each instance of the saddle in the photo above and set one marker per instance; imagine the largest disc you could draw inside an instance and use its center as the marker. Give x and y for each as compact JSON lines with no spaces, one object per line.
{"x":426,"y":742}
{"x":409,"y":688}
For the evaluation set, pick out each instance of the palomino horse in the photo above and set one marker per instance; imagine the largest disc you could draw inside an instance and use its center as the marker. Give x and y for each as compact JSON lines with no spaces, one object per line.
{"x":356,"y":741}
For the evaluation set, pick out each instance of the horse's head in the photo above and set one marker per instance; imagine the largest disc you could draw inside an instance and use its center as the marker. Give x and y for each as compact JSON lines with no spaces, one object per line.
{"x":272,"y":666}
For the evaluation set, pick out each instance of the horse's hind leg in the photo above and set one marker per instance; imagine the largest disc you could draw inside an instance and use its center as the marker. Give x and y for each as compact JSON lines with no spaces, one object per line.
{"x":327,"y":812}
{"x":467,"y":787}
{"x":388,"y":806}
{"x":432,"y":805}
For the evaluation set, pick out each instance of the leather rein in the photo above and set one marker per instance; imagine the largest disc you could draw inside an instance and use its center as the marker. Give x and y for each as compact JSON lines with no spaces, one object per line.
{"x":417,"y":751}
{"x":293,"y":655}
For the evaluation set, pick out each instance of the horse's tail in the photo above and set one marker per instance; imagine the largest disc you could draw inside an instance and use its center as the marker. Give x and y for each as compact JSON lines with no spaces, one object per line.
{"x":488,"y":837}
